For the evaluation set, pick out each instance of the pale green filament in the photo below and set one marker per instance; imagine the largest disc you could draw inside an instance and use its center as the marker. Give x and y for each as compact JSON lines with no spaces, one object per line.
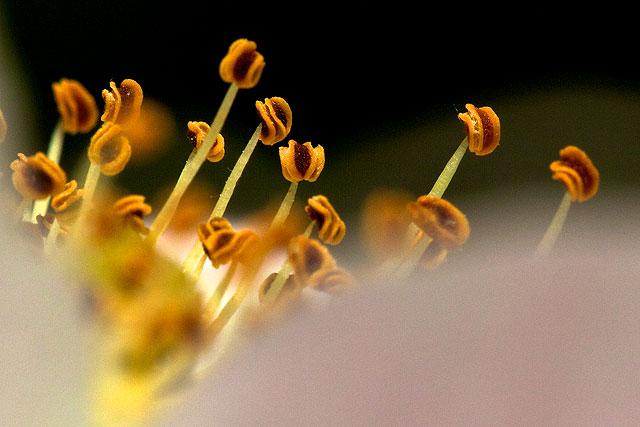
{"x":214,"y":302}
{"x":283,"y":273}
{"x":191,"y":168}
{"x":552,"y":233}
{"x":54,"y":153}
{"x":410,"y":262}
{"x":449,"y":170}
{"x":285,"y":206}
{"x":197,"y":253}
{"x":52,"y":237}
{"x":89,"y":188}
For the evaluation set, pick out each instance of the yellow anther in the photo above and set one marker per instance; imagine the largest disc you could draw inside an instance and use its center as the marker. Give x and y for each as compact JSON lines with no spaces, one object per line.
{"x":242,"y":65}
{"x":196,"y":132}
{"x":122,"y":104}
{"x":222,"y":243}
{"x":67,"y":197}
{"x":331,"y":229}
{"x":483,"y":129}
{"x":440,"y":220}
{"x":132,"y":209}
{"x":301,"y":161}
{"x":310,"y":260}
{"x":275,"y":115}
{"x":110,"y":149}
{"x":577,"y":172}
{"x":37,"y":177}
{"x":77,"y":107}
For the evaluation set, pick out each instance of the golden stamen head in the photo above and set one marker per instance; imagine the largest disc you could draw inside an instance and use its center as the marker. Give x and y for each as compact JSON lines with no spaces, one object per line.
{"x":290,"y":289}
{"x":577,"y":172}
{"x":197,"y":131}
{"x":222,"y":243}
{"x":440,"y":220}
{"x":301,"y":161}
{"x":483,"y":129}
{"x":310,"y":260}
{"x":336,"y":281}
{"x":132,"y":209}
{"x":110,"y":149}
{"x":77,"y":107}
{"x":67,"y":197}
{"x":242,"y":65}
{"x":37,"y":177}
{"x":276,"y":118}
{"x":151,"y":133}
{"x":3,"y":127}
{"x":331,"y":229}
{"x":122,"y":104}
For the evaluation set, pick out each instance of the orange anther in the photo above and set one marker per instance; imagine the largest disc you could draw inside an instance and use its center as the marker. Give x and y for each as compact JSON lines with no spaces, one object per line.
{"x":122,"y":104}
{"x":67,"y":197}
{"x":577,"y":172}
{"x":222,"y":243}
{"x":37,"y":177}
{"x":132,"y":209}
{"x":331,"y":228}
{"x":197,"y":131}
{"x":110,"y":149}
{"x":77,"y":107}
{"x":276,"y":118}
{"x":242,"y":65}
{"x":440,"y":220}
{"x":483,"y":129}
{"x":310,"y":260}
{"x":301,"y":161}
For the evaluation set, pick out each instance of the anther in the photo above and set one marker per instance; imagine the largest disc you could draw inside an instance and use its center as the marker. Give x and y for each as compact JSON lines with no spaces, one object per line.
{"x":242,"y":65}
{"x":77,"y":107}
{"x":36,"y":177}
{"x":331,"y":228}
{"x":577,"y":172}
{"x":197,"y":131}
{"x":276,"y":117}
{"x":67,"y":197}
{"x":132,"y":209}
{"x":122,"y":104}
{"x":290,"y":287}
{"x":483,"y":129}
{"x":301,"y":161}
{"x":310,"y":260}
{"x":110,"y":149}
{"x":222,"y":244}
{"x":440,"y":220}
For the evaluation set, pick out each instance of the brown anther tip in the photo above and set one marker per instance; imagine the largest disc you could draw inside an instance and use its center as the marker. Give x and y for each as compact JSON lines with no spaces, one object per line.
{"x":440,"y":220}
{"x":67,"y":197}
{"x":242,"y":65}
{"x":223,"y":244}
{"x":290,"y":288}
{"x":310,"y":260}
{"x":37,"y":177}
{"x":122,"y":103}
{"x":331,"y":228}
{"x":77,"y":107}
{"x":483,"y":129}
{"x":197,"y":131}
{"x":3,"y":128}
{"x":301,"y":161}
{"x":110,"y":149}
{"x":132,"y":209}
{"x":276,"y":117}
{"x":577,"y":172}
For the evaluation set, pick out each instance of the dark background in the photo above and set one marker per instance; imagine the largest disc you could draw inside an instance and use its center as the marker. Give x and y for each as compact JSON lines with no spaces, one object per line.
{"x":378,"y":87}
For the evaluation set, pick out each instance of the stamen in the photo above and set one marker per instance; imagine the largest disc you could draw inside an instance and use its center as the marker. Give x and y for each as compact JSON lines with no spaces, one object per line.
{"x":555,"y":227}
{"x":191,"y":168}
